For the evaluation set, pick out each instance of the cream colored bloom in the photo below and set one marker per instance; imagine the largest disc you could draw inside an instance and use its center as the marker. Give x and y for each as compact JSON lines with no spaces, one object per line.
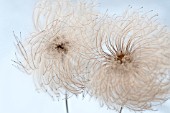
{"x":132,"y":63}
{"x":53,"y":52}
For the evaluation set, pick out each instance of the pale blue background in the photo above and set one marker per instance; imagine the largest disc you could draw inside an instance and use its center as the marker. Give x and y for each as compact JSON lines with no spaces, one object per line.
{"x":17,"y":91}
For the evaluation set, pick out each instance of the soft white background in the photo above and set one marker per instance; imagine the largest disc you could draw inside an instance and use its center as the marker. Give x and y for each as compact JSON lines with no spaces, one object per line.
{"x":17,"y":91}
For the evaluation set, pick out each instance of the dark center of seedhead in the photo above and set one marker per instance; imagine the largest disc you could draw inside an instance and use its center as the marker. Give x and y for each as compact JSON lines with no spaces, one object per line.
{"x":122,"y":58}
{"x":62,"y":47}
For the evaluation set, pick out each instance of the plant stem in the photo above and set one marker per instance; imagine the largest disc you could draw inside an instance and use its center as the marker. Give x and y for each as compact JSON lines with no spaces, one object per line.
{"x":66,"y":101}
{"x":121,"y":110}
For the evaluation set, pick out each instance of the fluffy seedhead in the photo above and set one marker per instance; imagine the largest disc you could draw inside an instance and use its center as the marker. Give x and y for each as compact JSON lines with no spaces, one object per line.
{"x":132,"y":63}
{"x":52,"y":53}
